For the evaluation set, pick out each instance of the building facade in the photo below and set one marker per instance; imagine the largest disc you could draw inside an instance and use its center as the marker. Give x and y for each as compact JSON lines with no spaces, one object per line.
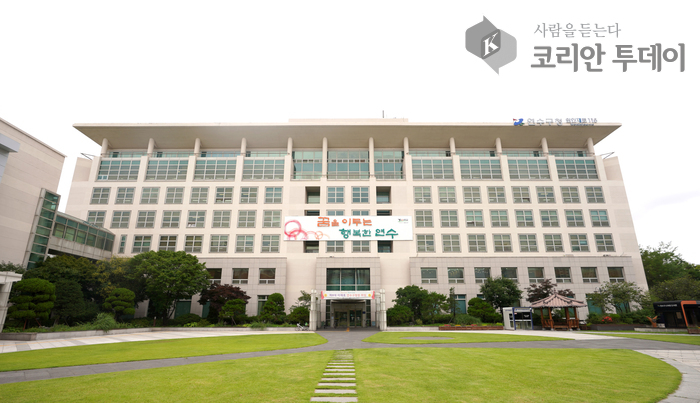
{"x":483,"y":200}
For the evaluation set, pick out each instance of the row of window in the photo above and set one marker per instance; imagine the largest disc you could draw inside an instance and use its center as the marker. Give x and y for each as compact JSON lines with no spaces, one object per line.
{"x":240,"y":275}
{"x":455,"y":275}
{"x":336,"y":194}
{"x":504,"y":243}
{"x":195,"y":219}
{"x":195,"y":243}
{"x":347,"y":165}
{"x":499,"y":218}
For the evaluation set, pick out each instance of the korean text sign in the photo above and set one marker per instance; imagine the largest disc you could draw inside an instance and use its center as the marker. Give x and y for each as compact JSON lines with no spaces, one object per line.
{"x":354,"y":228}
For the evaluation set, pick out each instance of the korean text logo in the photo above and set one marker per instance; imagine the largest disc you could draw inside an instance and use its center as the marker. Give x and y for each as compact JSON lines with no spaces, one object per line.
{"x":490,"y":44}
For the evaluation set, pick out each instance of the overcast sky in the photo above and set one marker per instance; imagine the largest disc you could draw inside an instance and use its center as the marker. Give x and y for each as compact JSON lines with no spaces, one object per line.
{"x":170,"y":62}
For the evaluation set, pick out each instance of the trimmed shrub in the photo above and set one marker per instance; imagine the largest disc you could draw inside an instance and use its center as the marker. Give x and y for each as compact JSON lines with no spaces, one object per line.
{"x":464,"y":319}
{"x":105,"y":321}
{"x":398,"y":315}
{"x":185,"y":319}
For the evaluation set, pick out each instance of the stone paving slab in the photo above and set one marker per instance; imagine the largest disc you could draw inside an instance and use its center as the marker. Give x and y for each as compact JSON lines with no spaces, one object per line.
{"x":334,"y":399}
{"x":688,"y":363}
{"x":337,"y":379}
{"x":337,"y":391}
{"x":337,"y":384}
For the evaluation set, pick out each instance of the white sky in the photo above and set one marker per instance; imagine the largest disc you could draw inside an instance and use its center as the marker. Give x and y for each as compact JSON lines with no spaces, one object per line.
{"x":168,"y":62}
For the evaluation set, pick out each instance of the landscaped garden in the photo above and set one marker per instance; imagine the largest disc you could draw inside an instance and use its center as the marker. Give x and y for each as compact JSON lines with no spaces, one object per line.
{"x":671,"y":338}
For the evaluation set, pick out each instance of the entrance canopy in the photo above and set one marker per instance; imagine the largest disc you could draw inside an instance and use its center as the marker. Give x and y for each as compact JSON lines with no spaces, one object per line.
{"x":347,"y":295}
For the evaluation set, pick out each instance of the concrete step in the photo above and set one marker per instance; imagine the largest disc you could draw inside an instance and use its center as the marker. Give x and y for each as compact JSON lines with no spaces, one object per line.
{"x":346,"y":384}
{"x":334,"y":399}
{"x":336,"y":391}
{"x":339,"y":370}
{"x":337,"y":379}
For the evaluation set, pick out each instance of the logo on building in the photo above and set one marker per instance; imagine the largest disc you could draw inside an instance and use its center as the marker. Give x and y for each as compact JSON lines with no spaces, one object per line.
{"x":490,"y":44}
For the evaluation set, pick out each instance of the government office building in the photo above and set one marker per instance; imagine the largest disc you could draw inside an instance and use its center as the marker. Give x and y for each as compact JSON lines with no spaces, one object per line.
{"x":352,"y":207}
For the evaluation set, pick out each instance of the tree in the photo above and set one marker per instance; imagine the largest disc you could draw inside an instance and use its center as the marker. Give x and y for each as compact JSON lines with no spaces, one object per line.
{"x":66,"y":267}
{"x":538,"y":291}
{"x":433,"y":304}
{"x":619,"y":295}
{"x":69,"y":302}
{"x":169,"y":277}
{"x":483,"y":310}
{"x":9,"y":266}
{"x":663,"y":263}
{"x":232,"y":308}
{"x":678,"y":289}
{"x":501,"y":292}
{"x":217,"y":295}
{"x":304,"y":300}
{"x":32,"y":298}
{"x":120,"y":272}
{"x":120,"y":302}
{"x":398,"y":315}
{"x":411,"y":297}
{"x":273,"y":310}
{"x":299,"y":314}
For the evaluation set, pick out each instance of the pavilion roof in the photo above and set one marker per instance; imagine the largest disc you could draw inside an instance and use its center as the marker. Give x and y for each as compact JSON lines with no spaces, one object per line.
{"x":558,"y":301}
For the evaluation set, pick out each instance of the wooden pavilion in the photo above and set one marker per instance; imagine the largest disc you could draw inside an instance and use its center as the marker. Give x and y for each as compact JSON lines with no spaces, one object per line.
{"x":559,"y":301}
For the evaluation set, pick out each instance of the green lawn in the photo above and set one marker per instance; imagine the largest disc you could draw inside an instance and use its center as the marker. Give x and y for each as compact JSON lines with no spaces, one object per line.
{"x":151,"y":350}
{"x":683,"y":339}
{"x":383,"y":375}
{"x":454,"y":337}
{"x":511,"y":375}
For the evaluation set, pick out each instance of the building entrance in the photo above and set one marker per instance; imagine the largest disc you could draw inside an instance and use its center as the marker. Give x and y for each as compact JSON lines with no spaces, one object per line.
{"x":346,"y":314}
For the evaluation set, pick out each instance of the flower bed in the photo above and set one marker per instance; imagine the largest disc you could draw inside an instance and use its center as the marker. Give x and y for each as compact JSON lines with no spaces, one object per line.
{"x":615,"y":326}
{"x":470,"y":327}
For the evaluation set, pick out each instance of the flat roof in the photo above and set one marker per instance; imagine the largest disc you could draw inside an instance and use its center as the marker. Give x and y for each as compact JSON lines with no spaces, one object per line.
{"x":341,"y":133}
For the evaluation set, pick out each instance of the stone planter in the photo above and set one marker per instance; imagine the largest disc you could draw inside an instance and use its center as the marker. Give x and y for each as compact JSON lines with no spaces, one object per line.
{"x":615,"y":326}
{"x":470,"y":328}
{"x":694,"y":330}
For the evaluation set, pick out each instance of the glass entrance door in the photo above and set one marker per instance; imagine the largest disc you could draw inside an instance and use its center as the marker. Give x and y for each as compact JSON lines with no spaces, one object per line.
{"x":342,"y":319}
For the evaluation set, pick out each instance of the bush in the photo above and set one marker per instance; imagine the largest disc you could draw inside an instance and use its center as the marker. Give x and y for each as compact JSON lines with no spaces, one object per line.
{"x":398,"y":315}
{"x":203,"y":323}
{"x":483,"y":310}
{"x":142,"y":322}
{"x":616,"y":318}
{"x":443,"y":318}
{"x":419,"y":322}
{"x":185,"y":319}
{"x":464,"y":319}
{"x":104,"y":321}
{"x":594,"y":319}
{"x":300,"y":314}
{"x":258,"y":325}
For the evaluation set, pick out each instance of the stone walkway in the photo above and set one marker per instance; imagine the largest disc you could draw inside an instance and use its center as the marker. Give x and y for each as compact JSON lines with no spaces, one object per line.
{"x":338,"y":382}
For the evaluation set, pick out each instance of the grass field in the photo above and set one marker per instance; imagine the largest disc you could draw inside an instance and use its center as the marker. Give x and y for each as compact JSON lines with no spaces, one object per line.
{"x":683,"y":339}
{"x":383,"y":375}
{"x":454,"y":337}
{"x":151,"y":350}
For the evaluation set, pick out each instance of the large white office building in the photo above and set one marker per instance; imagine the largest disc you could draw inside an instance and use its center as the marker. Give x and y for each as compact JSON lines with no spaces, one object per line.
{"x":364,"y":205}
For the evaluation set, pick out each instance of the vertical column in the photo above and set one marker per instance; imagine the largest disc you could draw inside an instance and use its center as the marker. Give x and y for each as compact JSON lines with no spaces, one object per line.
{"x":371,"y":157}
{"x":324,"y":161}
{"x":407,"y":163}
{"x":240,"y":160}
{"x":105,"y":147}
{"x":455,"y":159}
{"x":453,"y":149}
{"x":545,"y":147}
{"x":332,"y":316}
{"x":244,"y":146}
{"x":197,"y":146}
{"x":589,"y":145}
{"x":289,"y":161}
{"x":499,"y":148}
{"x":312,"y":312}
{"x":151,"y":146}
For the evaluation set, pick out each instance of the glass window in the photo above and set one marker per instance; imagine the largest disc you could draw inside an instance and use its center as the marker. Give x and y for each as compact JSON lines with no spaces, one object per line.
{"x":96,"y":218}
{"x":549,"y":218}
{"x":348,"y":165}
{"x":249,"y":195}
{"x":122,"y":244}
{"x":604,"y":243}
{"x":553,"y":243}
{"x":545,"y":194}
{"x":246,"y":219}
{"x":267,"y":276}
{"x":472,"y":194}
{"x":335,"y":246}
{"x":311,"y":247}
{"x":262,"y":299}
{"x":448,"y":218}
{"x":149,"y":195}
{"x":168,"y":242}
{"x":273,"y":195}
{"x":579,"y":243}
{"x":450,"y":243}
{"x":142,"y":243}
{"x":100,"y":196}
{"x":589,"y":274}
{"x":421,"y":194}
{"x":120,"y":219}
{"x":576,"y":169}
{"x":240,"y":276}
{"x":336,"y":194}
{"x":171,"y":219}
{"x":474,"y":218}
{"x":524,"y":218}
{"x":428,"y":275}
{"x":455,"y":275}
{"x":174,"y":195}
{"x":528,"y":169}
{"x":272,"y":218}
{"x":166,"y":170}
{"x":199,"y":196}
{"x":360,"y":246}
{"x":221,"y":219}
{"x":432,"y":169}
{"x":223,"y":169}
{"x":385,"y":246}
{"x":510,"y":273}
{"x":521,"y":194}
{"x":477,"y":242}
{"x":574,"y":218}
{"x":569,"y":194}
{"x":125,"y":196}
{"x":347,"y":279}
{"x":224,"y":195}
{"x":447,"y":194}
{"x":528,"y":243}
{"x":594,"y":194}
{"x":312,"y":213}
{"x":501,"y":243}
{"x":219,"y":244}
{"x":481,"y":274}
{"x":360,"y":194}
{"x":599,"y":218}
{"x":360,"y":212}
{"x":146,"y":219}
{"x":263,"y":169}
{"x":616,"y":274}
{"x":118,"y":170}
{"x":383,"y":212}
{"x":388,"y":164}
{"x":383,"y":195}
{"x":215,"y":275}
{"x":425,"y":243}
{"x":536,"y":274}
{"x":193,"y":243}
{"x":244,"y":243}
{"x":270,"y":243}
{"x":480,"y":168}
{"x":335,"y":213}
{"x":497,"y":194}
{"x":196,"y":219}
{"x":499,"y":218}
{"x":307,"y":164}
